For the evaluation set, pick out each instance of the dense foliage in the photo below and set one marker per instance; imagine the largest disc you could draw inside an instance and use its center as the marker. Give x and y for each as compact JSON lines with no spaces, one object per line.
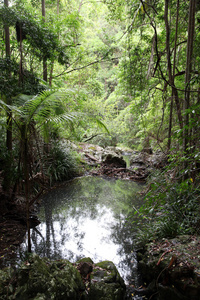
{"x":113,"y":72}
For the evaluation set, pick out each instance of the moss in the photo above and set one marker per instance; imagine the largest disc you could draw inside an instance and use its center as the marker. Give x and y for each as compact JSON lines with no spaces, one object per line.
{"x":106,"y":291}
{"x":106,"y":282}
{"x":40,"y":278}
{"x":85,"y":259}
{"x":112,"y":274}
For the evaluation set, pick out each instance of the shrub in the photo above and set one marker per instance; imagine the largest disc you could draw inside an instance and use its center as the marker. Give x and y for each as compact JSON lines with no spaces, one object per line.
{"x":60,"y":164}
{"x":170,"y":209}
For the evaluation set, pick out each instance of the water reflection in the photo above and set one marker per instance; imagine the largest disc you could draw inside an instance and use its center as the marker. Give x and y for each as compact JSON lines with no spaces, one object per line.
{"x":86,"y":218}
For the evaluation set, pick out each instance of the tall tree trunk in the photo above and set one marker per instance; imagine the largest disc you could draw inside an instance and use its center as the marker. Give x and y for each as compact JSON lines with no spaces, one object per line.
{"x":8,"y":99}
{"x":51,"y":73}
{"x":58,"y":6}
{"x":173,"y":76}
{"x":169,"y":65}
{"x":191,"y":25}
{"x":44,"y":58}
{"x":52,"y":62}
{"x":27,"y":191}
{"x":21,"y":58}
{"x":25,"y":162}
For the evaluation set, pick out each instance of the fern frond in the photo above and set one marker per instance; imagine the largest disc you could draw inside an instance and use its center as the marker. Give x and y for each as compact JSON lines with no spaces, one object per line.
{"x":34,"y":105}
{"x":67,"y":117}
{"x":102,"y":125}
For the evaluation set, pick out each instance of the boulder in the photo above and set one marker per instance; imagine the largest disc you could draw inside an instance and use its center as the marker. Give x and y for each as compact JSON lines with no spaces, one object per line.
{"x":106,"y":283}
{"x":147,"y":150}
{"x":138,"y":159}
{"x":40,"y":279}
{"x":147,"y":159}
{"x":111,"y":158}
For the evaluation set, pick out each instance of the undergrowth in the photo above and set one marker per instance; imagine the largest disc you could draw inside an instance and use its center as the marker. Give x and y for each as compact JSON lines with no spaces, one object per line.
{"x":170,"y":208}
{"x":60,"y":164}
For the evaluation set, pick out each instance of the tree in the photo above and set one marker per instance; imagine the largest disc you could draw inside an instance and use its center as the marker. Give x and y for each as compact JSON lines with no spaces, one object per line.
{"x":188,"y":71}
{"x":25,"y":117}
{"x":155,"y":61}
{"x":8,"y":100}
{"x":44,"y":58}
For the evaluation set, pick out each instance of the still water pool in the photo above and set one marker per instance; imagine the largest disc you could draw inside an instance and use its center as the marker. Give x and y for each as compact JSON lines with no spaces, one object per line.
{"x":87,"y":218}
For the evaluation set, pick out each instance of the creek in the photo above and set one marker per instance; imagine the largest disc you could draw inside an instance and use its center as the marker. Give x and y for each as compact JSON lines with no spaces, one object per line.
{"x":87,"y":217}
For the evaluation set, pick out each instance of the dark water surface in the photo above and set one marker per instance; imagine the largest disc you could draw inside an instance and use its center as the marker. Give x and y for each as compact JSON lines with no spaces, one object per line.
{"x":86,"y":218}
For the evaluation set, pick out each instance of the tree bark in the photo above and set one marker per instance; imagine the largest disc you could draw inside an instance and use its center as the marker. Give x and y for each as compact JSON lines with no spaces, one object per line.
{"x":44,"y":58}
{"x":58,"y":7}
{"x":169,"y":65}
{"x":8,"y":100}
{"x":191,"y":25}
{"x":173,"y":76}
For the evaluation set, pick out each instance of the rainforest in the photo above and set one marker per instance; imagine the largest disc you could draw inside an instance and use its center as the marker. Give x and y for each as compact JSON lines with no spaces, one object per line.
{"x":108,"y":89}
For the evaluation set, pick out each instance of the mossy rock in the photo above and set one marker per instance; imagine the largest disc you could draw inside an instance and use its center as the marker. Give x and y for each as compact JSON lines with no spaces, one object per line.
{"x":109,"y":272}
{"x":42,"y":279}
{"x":106,"y":291}
{"x":85,"y":259}
{"x":39,"y":278}
{"x":106,"y":282}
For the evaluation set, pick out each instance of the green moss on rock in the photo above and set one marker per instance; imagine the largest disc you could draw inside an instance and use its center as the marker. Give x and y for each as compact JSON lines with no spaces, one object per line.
{"x":106,"y":291}
{"x":85,"y":259}
{"x":40,"y":278}
{"x":106,"y":282}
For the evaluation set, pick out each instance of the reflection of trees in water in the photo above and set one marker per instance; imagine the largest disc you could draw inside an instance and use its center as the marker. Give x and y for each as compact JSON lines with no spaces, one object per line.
{"x":47,"y":246}
{"x":124,"y":235}
{"x":65,"y":208}
{"x":50,"y":246}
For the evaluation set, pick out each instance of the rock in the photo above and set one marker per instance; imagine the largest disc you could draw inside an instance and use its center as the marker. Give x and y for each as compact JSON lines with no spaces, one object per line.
{"x":40,"y":278}
{"x":138,"y":159}
{"x":85,"y":268}
{"x":147,"y":291}
{"x":114,"y":159}
{"x":147,"y":158}
{"x":116,"y":150}
{"x":147,"y":150}
{"x":170,"y":292}
{"x":106,"y":283}
{"x":158,"y":160}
